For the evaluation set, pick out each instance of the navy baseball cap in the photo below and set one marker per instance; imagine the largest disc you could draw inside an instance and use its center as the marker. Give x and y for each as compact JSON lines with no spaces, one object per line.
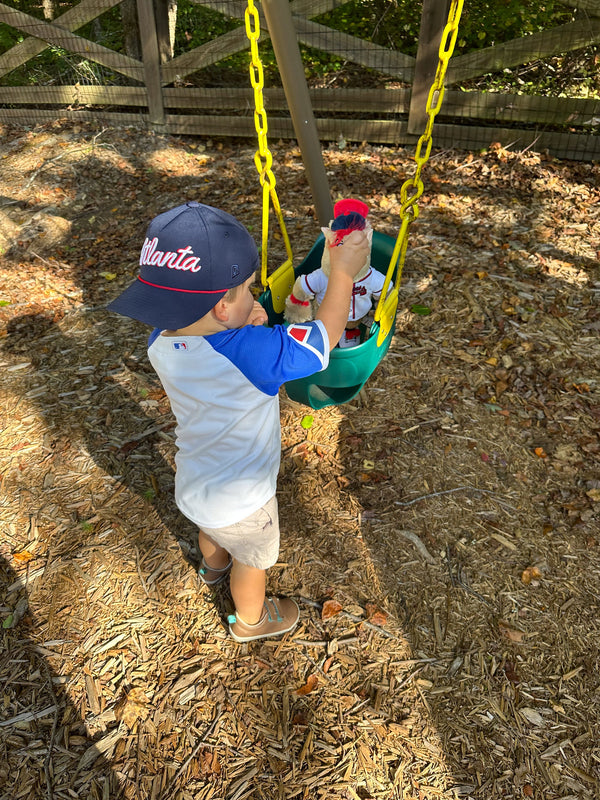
{"x":191,"y":256}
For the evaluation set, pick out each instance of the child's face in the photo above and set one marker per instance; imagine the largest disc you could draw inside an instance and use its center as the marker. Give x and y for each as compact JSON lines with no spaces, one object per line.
{"x":240,"y":307}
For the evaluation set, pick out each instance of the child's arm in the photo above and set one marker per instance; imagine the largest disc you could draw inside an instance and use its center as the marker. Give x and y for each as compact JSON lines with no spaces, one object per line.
{"x":347,"y":259}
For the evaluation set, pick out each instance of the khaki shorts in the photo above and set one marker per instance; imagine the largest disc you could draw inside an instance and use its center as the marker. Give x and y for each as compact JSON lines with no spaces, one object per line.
{"x":255,"y":540}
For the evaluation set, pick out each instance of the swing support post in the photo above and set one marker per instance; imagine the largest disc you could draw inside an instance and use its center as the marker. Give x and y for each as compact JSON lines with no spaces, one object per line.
{"x":279,"y":20}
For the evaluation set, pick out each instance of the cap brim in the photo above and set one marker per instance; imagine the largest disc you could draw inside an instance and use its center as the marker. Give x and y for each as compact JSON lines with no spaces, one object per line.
{"x":163,"y":308}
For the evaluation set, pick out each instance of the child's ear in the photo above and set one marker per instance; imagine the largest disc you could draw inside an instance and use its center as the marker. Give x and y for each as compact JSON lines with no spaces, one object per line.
{"x":221,"y":311}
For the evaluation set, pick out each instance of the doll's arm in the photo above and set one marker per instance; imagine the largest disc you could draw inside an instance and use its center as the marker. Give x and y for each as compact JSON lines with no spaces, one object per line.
{"x":298,"y":306}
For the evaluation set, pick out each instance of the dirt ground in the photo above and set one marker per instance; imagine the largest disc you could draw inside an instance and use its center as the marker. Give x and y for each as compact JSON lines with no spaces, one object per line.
{"x":441,"y":532}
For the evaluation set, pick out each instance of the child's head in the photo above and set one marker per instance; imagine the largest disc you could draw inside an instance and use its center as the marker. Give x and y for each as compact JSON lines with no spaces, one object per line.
{"x":192,"y":256}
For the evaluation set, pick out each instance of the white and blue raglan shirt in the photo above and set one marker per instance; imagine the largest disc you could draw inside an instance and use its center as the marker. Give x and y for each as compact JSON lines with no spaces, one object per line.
{"x":224,"y":393}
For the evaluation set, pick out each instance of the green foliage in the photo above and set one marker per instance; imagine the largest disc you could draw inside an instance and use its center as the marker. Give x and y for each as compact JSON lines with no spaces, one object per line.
{"x":396,"y":23}
{"x":484,"y":24}
{"x":197,"y":25}
{"x":388,"y":23}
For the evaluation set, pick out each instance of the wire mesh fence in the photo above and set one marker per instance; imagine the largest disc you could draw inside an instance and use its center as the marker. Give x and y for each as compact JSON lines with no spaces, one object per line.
{"x":525,"y":74}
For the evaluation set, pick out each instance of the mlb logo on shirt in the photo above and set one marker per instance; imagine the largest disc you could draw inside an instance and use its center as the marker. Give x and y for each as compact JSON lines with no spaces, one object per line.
{"x":179,"y":346}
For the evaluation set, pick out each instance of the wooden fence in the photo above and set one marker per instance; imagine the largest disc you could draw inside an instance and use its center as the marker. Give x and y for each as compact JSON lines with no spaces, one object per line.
{"x":156,"y":97}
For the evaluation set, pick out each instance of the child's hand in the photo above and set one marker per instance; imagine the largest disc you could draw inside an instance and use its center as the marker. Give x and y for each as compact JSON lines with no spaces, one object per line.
{"x":350,"y":255}
{"x":258,"y":316}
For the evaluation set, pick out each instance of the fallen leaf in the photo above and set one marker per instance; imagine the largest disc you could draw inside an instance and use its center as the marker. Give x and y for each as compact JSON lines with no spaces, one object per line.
{"x":530,"y":574}
{"x":510,"y":672}
{"x":375,"y":476}
{"x":24,"y":556}
{"x":331,"y":608}
{"x":209,"y":762}
{"x":533,"y":716}
{"x":378,"y":619}
{"x":422,"y":311}
{"x":375,"y":615}
{"x":510,"y":633}
{"x":109,"y":276}
{"x":307,"y":421}
{"x":133,"y":707}
{"x":311,"y":684}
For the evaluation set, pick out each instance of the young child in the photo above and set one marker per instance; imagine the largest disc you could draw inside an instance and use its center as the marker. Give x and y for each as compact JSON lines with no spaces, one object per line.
{"x":222,"y":371}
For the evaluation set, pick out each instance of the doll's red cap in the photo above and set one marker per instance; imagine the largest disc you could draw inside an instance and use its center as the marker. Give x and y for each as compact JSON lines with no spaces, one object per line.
{"x":350,"y":206}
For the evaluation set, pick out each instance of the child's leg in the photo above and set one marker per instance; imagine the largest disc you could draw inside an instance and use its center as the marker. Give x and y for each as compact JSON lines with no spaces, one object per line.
{"x":247,"y":586}
{"x":215,"y":557}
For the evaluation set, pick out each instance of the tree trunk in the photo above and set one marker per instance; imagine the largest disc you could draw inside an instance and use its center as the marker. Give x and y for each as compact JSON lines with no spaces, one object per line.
{"x":131,"y":29}
{"x":166,"y":20}
{"x":49,"y":8}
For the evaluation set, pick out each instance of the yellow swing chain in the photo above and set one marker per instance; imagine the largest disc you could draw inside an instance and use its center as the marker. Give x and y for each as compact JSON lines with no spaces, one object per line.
{"x":412,"y":189}
{"x":263,"y":160}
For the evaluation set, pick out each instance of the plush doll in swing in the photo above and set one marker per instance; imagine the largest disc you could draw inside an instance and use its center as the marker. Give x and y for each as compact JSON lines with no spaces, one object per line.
{"x":309,"y":290}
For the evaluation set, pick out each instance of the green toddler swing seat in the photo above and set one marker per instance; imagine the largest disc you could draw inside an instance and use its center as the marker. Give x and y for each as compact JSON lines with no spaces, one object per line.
{"x":349,"y":368}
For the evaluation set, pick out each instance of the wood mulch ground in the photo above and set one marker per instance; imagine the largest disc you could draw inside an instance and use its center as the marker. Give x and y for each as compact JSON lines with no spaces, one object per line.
{"x":441,"y":533}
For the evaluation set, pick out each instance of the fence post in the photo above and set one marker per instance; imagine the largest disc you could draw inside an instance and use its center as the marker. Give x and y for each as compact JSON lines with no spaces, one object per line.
{"x":285,"y":44}
{"x":434,"y":15}
{"x":151,"y":61}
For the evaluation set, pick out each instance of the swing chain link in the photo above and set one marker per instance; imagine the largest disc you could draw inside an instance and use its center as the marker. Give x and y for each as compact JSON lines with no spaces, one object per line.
{"x":410,"y":198}
{"x":413,"y":188}
{"x":263,"y":158}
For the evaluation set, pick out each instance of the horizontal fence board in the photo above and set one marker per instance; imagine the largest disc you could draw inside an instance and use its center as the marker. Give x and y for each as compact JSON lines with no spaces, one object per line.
{"x":574,"y":146}
{"x":469,"y":105}
{"x":351,"y":101}
{"x":279,"y":128}
{"x":40,"y":115}
{"x":525,"y":109}
{"x":378,"y":101}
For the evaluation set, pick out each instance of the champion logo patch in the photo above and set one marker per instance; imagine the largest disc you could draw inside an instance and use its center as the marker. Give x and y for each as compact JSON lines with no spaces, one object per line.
{"x":179,"y":346}
{"x":299,"y":332}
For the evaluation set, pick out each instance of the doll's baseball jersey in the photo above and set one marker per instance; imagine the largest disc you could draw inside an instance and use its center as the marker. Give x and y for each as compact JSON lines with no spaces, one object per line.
{"x":364,"y":291}
{"x":223,"y":391}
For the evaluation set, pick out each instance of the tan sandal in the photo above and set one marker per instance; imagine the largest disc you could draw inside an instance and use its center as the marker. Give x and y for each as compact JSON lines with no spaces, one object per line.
{"x":280,"y":616}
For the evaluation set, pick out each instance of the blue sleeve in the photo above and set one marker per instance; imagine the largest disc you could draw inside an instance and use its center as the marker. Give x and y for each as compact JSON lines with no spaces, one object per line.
{"x":269,"y":357}
{"x":153,"y":336}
